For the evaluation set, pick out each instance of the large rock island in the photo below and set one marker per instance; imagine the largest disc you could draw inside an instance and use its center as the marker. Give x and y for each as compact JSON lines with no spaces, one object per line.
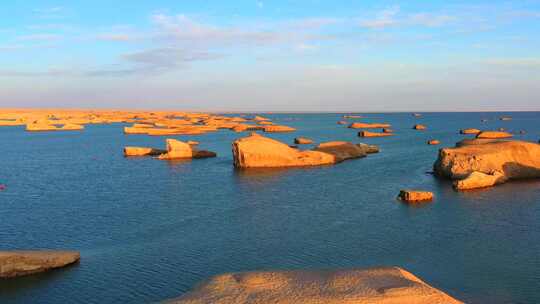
{"x":477,"y":163}
{"x":256,"y":151}
{"x":388,"y":285}
{"x":19,"y":263}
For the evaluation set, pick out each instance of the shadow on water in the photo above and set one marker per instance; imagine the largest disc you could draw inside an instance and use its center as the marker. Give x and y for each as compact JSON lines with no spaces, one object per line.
{"x":13,"y":286}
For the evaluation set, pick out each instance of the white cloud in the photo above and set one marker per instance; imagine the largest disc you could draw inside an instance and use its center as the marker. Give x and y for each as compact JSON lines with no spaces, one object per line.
{"x":384,"y":18}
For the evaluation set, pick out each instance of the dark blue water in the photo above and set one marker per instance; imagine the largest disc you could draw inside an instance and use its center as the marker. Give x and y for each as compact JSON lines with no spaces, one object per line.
{"x":149,"y":230}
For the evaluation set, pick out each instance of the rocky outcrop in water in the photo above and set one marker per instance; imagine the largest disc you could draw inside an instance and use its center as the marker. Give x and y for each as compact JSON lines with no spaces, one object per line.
{"x":374,"y":134}
{"x":278,"y":129}
{"x":37,"y":127}
{"x":257,"y":151}
{"x":477,"y":180}
{"x":419,"y":127}
{"x":142,"y":151}
{"x":20,"y":263}
{"x":341,"y":150}
{"x":412,"y":196}
{"x":361,"y":125}
{"x":493,"y":134}
{"x":385,"y":285}
{"x":469,"y":131}
{"x":303,"y":141}
{"x":501,"y":160}
{"x":181,"y":150}
{"x":433,"y":142}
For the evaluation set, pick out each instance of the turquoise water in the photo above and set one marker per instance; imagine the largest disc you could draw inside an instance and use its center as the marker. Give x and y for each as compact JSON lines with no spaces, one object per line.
{"x":149,"y":230}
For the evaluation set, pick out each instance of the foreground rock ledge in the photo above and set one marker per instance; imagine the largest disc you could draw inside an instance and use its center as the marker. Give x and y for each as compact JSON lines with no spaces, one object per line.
{"x":20,"y":263}
{"x":485,"y":164}
{"x":388,"y":285}
{"x":257,"y":151}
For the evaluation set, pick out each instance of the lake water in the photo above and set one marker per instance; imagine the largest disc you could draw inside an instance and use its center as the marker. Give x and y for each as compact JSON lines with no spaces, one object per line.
{"x":149,"y":230}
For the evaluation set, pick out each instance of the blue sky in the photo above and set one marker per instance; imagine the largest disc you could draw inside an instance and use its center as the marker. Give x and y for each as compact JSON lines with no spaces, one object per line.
{"x":271,"y":55}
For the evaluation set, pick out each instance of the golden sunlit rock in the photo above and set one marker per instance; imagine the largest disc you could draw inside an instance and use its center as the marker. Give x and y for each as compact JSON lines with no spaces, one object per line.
{"x":415,"y":196}
{"x":361,"y":125}
{"x":501,"y":160}
{"x":384,"y":285}
{"x":373,"y":134}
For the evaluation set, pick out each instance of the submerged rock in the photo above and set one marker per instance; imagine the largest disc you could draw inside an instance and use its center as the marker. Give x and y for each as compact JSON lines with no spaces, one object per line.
{"x":493,"y":134}
{"x":20,"y":263}
{"x":415,"y":196}
{"x":341,"y":122}
{"x":384,"y":285}
{"x":513,"y":159}
{"x":303,"y":141}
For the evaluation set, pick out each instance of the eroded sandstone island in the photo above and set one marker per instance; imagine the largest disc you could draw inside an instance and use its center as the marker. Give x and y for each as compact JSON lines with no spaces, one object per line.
{"x":257,"y":151}
{"x":387,"y":285}
{"x":20,"y":263}
{"x":480,"y":163}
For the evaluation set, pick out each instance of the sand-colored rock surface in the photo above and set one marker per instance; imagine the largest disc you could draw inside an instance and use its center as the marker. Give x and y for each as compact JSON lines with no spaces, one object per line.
{"x":419,"y":127}
{"x":341,"y":150}
{"x":177,"y":149}
{"x":415,"y":196}
{"x":477,"y":180}
{"x":36,"y":127}
{"x":373,"y":134}
{"x":385,"y":285}
{"x":361,"y":125}
{"x":369,"y":149}
{"x":278,"y":128}
{"x":475,"y":141}
{"x":493,"y":134}
{"x":513,"y":159}
{"x":256,"y":151}
{"x":303,"y":141}
{"x":155,"y":123}
{"x":20,"y":263}
{"x":469,"y":131}
{"x":142,"y":151}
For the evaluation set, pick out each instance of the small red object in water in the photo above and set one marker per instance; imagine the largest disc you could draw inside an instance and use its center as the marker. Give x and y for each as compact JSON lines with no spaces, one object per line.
{"x":2,"y":187}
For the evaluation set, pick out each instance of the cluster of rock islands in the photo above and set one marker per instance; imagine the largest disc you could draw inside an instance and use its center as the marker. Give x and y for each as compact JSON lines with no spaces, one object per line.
{"x":488,"y":159}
